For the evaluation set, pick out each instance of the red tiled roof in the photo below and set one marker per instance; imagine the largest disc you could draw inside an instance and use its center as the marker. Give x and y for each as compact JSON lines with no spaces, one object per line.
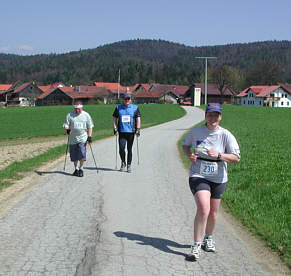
{"x":176,"y":89}
{"x":79,"y":92}
{"x":50,"y":87}
{"x":243,"y":93}
{"x":150,"y":94}
{"x":5,"y":86}
{"x":286,"y":87}
{"x":211,"y":89}
{"x":113,"y":86}
{"x":146,"y":86}
{"x":259,"y":90}
{"x":21,"y":87}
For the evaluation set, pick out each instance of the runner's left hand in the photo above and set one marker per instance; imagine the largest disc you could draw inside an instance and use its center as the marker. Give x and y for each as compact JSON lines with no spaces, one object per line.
{"x":89,"y":139}
{"x":137,"y":132}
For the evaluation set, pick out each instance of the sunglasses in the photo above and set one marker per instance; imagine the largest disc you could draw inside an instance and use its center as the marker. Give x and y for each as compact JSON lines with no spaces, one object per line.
{"x":126,"y":99}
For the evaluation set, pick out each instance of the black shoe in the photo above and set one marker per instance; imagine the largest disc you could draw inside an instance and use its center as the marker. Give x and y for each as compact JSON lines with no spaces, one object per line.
{"x":76,"y":172}
{"x":81,"y":174}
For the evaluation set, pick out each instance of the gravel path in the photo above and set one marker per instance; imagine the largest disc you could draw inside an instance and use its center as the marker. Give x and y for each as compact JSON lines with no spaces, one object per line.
{"x":113,"y":223}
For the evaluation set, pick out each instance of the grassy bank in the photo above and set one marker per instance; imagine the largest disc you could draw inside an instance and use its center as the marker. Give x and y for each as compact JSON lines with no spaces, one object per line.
{"x":258,"y":191}
{"x":16,"y":123}
{"x":48,"y":120}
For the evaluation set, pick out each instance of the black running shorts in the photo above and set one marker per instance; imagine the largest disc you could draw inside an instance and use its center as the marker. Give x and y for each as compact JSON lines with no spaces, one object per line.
{"x":198,"y":183}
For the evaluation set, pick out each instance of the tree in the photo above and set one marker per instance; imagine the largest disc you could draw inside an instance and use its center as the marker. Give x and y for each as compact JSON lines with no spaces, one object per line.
{"x":263,"y":73}
{"x":224,"y":77}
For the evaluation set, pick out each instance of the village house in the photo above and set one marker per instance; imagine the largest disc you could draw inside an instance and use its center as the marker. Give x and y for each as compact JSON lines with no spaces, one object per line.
{"x":213,"y":94}
{"x":116,"y":90}
{"x":159,"y":93}
{"x":21,"y":94}
{"x":266,"y":95}
{"x":3,"y":94}
{"x":67,"y":95}
{"x":109,"y":92}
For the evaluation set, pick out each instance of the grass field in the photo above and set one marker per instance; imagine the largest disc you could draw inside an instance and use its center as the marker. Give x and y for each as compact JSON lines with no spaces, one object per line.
{"x":48,"y":120}
{"x":258,"y":191}
{"x":18,"y":123}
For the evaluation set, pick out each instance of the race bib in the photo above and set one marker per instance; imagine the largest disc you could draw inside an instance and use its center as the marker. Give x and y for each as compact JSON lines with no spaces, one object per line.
{"x":208,"y":168}
{"x":125,"y":118}
{"x":79,"y":125}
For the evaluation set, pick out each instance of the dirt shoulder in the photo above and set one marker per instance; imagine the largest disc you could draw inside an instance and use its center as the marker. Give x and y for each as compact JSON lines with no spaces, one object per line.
{"x":21,"y":149}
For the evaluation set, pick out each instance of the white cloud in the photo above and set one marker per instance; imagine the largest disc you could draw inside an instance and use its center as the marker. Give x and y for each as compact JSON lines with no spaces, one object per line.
{"x":19,"y":50}
{"x":25,"y":48}
{"x":5,"y":49}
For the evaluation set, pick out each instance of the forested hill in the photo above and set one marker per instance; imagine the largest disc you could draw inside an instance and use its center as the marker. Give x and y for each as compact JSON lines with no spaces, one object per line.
{"x":145,"y":61}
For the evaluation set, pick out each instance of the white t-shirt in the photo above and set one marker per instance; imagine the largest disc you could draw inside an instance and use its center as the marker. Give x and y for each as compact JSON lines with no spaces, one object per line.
{"x":203,"y":139}
{"x":79,"y":125}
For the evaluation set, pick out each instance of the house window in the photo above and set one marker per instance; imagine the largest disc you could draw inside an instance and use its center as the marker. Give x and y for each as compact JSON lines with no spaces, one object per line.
{"x":282,"y":103}
{"x":287,"y":103}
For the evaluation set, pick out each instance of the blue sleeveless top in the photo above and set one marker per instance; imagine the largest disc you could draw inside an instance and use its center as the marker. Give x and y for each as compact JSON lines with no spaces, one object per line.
{"x":126,"y":117}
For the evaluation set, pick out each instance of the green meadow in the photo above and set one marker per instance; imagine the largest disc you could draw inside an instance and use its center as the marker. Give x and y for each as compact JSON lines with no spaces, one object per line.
{"x":48,"y":120}
{"x":44,"y":122}
{"x":258,"y":190}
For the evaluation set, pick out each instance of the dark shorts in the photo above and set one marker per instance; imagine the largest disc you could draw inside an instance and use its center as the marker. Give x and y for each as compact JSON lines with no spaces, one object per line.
{"x":78,"y":152}
{"x":197,"y":184}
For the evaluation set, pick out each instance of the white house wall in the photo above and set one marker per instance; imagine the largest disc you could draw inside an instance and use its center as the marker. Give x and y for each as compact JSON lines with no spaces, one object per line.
{"x":251,"y":100}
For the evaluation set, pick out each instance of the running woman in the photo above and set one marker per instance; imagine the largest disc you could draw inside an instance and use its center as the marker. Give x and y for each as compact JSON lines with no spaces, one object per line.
{"x":214,"y":147}
{"x":126,"y":124}
{"x":79,"y":126}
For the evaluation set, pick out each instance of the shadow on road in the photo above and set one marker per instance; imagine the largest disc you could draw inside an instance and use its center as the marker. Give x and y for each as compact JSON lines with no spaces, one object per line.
{"x":100,"y":169}
{"x":158,"y":243}
{"x":51,"y":172}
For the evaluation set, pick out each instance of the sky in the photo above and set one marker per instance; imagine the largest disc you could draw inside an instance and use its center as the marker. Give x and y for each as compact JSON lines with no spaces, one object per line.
{"x":33,"y":27}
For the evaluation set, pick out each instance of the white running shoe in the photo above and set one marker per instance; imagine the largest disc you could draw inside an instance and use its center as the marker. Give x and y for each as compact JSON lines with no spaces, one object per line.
{"x":208,"y":244}
{"x":195,"y":253}
{"x":129,"y":170}
{"x":123,"y":167}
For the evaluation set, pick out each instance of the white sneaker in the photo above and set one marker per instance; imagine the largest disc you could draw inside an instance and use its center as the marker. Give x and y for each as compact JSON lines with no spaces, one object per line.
{"x":123,"y":167}
{"x":195,"y":253}
{"x":129,"y":169}
{"x":208,"y":244}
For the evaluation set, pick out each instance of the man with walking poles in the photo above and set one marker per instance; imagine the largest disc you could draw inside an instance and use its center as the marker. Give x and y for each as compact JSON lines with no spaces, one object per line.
{"x":79,"y":127}
{"x":126,"y":124}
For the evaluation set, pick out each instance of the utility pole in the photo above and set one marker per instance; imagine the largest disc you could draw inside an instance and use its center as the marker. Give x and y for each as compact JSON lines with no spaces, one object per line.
{"x":118,"y":82}
{"x":205,"y":79}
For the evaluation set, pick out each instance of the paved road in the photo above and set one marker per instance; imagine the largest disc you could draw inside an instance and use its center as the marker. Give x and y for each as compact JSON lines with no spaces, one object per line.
{"x":114,"y":223}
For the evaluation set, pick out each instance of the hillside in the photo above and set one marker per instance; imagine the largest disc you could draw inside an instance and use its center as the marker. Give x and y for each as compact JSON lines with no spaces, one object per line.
{"x":146,"y":61}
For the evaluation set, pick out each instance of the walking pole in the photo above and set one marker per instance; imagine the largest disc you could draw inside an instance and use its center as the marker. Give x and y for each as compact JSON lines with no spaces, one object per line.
{"x":115,"y":152}
{"x":137,"y":150}
{"x":66,"y":152}
{"x":93,"y":157}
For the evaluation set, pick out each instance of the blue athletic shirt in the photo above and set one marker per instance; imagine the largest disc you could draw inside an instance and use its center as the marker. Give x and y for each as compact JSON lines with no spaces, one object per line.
{"x":126,"y":117}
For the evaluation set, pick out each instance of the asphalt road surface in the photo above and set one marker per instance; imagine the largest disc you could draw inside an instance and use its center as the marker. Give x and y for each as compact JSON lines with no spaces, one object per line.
{"x":113,"y":223}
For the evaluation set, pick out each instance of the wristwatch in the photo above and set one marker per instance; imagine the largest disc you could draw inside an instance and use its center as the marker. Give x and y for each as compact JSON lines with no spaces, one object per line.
{"x":219,"y":156}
